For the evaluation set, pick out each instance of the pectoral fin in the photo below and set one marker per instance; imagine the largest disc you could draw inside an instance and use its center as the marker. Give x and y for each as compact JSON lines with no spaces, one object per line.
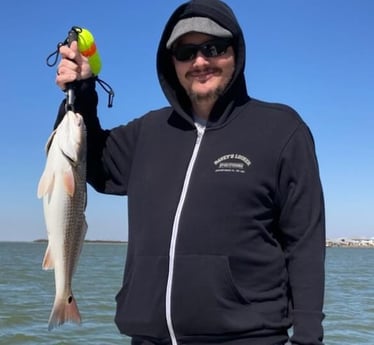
{"x":45,"y":183}
{"x":69,"y":182}
{"x":48,"y":262}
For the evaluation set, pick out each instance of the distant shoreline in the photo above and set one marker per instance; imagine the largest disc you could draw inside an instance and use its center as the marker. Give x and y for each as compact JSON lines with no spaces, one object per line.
{"x":330,"y":243}
{"x":340,"y":242}
{"x":351,"y":242}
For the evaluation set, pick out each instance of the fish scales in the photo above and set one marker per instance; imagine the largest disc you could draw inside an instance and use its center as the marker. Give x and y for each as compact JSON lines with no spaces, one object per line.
{"x":63,"y":188}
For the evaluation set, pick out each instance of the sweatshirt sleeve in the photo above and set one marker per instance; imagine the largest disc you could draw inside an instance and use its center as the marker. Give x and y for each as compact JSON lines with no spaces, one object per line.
{"x":302,"y":224}
{"x":109,"y":152}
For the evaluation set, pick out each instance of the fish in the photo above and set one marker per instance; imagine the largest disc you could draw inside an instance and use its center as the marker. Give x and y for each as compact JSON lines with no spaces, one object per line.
{"x":63,"y":188}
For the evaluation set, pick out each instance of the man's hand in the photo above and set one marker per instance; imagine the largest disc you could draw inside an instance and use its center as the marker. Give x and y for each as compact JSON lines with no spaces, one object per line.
{"x":73,"y":66}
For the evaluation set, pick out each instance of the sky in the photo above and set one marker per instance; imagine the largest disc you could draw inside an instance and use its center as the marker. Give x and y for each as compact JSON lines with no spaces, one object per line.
{"x":316,"y":56}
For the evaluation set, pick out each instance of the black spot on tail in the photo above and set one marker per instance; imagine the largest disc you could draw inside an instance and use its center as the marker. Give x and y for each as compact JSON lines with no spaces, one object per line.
{"x":70,"y":299}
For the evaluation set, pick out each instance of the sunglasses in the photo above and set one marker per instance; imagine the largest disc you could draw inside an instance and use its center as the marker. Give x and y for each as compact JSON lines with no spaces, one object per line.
{"x":212,"y":48}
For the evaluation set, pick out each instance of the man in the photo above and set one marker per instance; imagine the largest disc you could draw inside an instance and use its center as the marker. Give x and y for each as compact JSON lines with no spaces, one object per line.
{"x":226,"y":215}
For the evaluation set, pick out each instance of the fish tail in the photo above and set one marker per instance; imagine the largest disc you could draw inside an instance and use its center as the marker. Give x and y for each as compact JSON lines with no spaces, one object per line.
{"x":64,"y":310}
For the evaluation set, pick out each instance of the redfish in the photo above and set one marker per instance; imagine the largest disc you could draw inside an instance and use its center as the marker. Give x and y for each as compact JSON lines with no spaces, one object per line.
{"x":63,"y":189}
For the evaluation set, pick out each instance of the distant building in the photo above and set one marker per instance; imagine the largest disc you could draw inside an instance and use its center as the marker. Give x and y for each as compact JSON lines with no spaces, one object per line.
{"x":351,"y":242}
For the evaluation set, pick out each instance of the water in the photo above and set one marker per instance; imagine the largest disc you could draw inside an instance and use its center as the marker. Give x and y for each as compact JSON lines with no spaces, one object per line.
{"x":27,"y":293}
{"x":349,"y":297}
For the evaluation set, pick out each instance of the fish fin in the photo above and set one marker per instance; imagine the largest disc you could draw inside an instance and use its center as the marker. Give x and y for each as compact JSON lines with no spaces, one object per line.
{"x":49,"y":141}
{"x":64,"y":310}
{"x":48,"y":262}
{"x":69,"y":182}
{"x":46,"y":183}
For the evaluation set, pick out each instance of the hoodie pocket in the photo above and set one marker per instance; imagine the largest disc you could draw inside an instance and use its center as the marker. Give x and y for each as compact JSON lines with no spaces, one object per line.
{"x":141,"y":301}
{"x":205,"y":299}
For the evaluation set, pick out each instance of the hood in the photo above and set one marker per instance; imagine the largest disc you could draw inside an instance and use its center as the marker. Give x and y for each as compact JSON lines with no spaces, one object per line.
{"x":235,"y":93}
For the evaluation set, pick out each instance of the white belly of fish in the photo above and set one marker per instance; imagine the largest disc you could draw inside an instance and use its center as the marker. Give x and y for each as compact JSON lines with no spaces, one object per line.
{"x":63,"y":188}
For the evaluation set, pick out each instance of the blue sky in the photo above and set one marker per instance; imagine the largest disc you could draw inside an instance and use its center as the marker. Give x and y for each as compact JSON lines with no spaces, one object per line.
{"x":316,"y":56}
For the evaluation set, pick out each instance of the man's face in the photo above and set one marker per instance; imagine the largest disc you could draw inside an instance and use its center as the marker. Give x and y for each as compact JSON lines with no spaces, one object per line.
{"x":204,"y":78}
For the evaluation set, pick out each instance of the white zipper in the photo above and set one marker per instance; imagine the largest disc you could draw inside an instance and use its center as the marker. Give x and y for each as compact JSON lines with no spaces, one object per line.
{"x":200,"y":133}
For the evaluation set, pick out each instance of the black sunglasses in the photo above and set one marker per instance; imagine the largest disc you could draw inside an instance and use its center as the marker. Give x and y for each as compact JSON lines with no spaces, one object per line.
{"x":212,"y":48}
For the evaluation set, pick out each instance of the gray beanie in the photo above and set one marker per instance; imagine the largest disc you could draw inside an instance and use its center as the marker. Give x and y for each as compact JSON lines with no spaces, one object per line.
{"x":197,"y":24}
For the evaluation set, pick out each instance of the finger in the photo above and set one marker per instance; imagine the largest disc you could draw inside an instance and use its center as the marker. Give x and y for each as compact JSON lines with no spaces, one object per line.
{"x":74,"y":47}
{"x":73,"y":66}
{"x":71,"y":52}
{"x":68,"y":71}
{"x":66,"y":52}
{"x":67,"y":64}
{"x":65,"y":77}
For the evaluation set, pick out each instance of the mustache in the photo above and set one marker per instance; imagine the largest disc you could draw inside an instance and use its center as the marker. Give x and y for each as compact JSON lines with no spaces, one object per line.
{"x":196,"y":71}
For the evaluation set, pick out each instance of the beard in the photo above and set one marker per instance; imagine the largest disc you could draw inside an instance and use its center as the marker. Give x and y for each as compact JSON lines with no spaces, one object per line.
{"x":202,"y":97}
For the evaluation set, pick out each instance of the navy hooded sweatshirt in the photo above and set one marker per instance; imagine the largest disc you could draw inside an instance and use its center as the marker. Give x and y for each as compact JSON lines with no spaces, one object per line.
{"x":226,"y":225}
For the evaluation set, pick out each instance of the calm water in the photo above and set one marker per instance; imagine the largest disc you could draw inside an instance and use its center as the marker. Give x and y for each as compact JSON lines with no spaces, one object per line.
{"x":27,"y":293}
